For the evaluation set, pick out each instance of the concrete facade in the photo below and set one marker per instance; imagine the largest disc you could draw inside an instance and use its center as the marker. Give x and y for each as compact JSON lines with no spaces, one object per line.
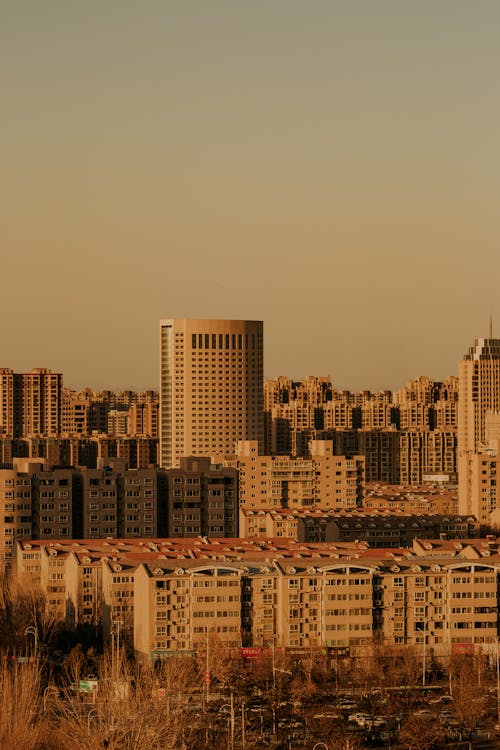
{"x":211,"y":387}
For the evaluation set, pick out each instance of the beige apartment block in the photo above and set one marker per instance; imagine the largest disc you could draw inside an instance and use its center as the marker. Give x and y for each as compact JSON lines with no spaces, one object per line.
{"x":441,"y":604}
{"x":40,"y":402}
{"x":211,"y":387}
{"x":144,"y":419}
{"x":83,"y":588}
{"x":53,"y":581}
{"x":131,"y":413}
{"x":183,"y":595}
{"x":325,"y":605}
{"x":118,"y":597}
{"x":478,"y":489}
{"x":323,"y":479}
{"x":378,"y":415}
{"x":271,"y":523}
{"x":340,"y":415}
{"x":117,"y":423}
{"x":185,"y":605}
{"x":75,"y":408}
{"x":423,"y":451}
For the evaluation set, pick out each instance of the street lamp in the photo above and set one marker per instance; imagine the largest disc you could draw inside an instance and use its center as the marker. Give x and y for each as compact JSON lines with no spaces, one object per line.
{"x":32,"y":630}
{"x":93,"y":714}
{"x":275,"y":669}
{"x":230,"y":727}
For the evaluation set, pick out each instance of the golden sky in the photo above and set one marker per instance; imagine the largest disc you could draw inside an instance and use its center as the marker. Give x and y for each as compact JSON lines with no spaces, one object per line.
{"x":331,"y":168}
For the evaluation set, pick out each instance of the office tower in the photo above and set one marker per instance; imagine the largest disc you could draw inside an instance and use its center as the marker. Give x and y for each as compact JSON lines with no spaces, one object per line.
{"x":211,"y":387}
{"x":479,"y":396}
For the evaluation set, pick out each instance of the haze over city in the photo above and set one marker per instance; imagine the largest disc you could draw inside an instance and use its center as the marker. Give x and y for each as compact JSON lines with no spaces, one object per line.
{"x":330,"y":168}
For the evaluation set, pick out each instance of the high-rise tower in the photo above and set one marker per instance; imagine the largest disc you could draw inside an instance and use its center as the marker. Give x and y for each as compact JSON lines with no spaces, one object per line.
{"x":479,"y":392}
{"x":478,"y":408}
{"x":211,"y":387}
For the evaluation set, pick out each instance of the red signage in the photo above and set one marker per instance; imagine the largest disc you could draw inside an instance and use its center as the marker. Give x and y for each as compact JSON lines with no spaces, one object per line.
{"x":462,"y":648}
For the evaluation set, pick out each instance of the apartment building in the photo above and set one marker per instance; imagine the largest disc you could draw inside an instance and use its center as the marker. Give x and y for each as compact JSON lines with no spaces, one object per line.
{"x":137,"y":452}
{"x":381,"y":450}
{"x":423,"y":452}
{"x":211,"y":387}
{"x":30,"y":403}
{"x":43,"y":502}
{"x":285,"y":481}
{"x":478,"y":490}
{"x":378,"y":528}
{"x":16,"y":501}
{"x":119,"y":502}
{"x":185,"y":604}
{"x":143,"y":419}
{"x":427,"y":498}
{"x":181,"y":595}
{"x":202,"y":500}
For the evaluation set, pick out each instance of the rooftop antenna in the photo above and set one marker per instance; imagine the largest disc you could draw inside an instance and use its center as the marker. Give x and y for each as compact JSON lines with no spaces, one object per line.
{"x":491,"y":326}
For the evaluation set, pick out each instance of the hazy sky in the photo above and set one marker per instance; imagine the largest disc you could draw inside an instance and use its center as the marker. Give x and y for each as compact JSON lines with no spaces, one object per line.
{"x":332,"y":168}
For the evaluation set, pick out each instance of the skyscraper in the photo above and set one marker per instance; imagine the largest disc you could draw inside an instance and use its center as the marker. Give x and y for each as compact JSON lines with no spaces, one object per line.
{"x":479,"y":401}
{"x":211,"y":387}
{"x":479,"y":392}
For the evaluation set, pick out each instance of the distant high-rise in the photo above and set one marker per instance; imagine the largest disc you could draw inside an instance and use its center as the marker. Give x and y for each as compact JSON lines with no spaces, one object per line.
{"x":479,"y":392}
{"x":30,"y":403}
{"x":479,"y":398}
{"x":211,"y":387}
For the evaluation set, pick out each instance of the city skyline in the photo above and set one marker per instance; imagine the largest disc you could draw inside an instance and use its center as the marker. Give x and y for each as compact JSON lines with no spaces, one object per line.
{"x":333,"y":171}
{"x":100,"y":385}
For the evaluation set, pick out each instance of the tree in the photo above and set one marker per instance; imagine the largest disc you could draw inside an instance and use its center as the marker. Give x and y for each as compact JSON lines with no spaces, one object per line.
{"x":422,"y":732}
{"x":469,"y":704}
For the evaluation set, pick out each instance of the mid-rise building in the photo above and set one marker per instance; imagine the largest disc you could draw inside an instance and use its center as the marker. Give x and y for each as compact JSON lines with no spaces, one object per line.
{"x":202,"y":500}
{"x":182,"y":596}
{"x":321,"y":479}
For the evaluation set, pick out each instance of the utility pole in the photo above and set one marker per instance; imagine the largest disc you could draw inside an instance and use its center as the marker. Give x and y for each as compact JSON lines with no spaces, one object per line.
{"x":232,"y":720}
{"x":207,"y":667}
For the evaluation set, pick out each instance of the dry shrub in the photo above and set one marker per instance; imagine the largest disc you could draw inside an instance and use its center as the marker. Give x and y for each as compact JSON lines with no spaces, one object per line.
{"x":134,"y":709}
{"x":21,"y":727}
